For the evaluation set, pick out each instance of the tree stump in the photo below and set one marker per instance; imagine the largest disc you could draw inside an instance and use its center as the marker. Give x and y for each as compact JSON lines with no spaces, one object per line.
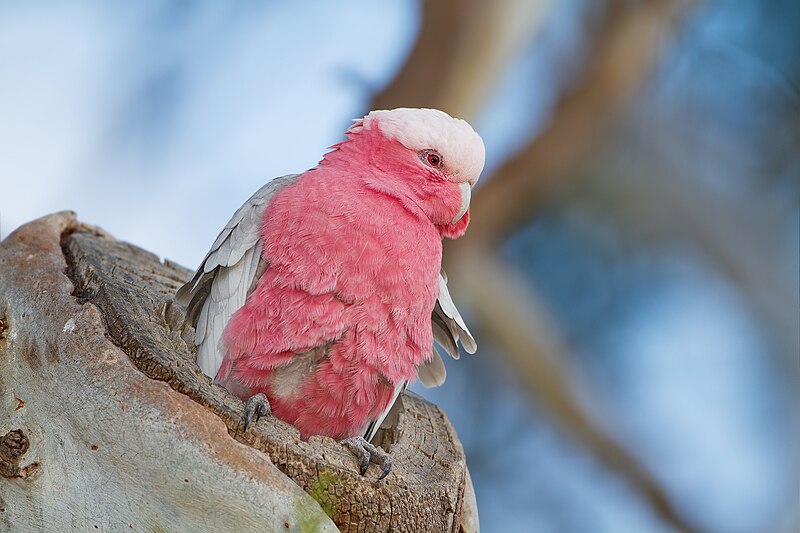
{"x":107,"y":423}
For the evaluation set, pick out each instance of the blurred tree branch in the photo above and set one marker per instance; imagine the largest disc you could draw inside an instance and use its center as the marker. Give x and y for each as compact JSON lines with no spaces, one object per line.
{"x":625,"y":52}
{"x":460,"y":53}
{"x":442,"y":71}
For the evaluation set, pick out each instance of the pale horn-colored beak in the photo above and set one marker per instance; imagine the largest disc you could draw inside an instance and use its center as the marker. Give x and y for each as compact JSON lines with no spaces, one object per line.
{"x":466,"y":195}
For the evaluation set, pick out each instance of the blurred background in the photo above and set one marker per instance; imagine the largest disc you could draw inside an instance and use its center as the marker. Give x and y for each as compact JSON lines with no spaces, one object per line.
{"x":631,"y":269}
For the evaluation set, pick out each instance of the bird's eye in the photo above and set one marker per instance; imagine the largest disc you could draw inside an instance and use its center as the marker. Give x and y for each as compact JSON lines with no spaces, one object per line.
{"x":432,"y":158}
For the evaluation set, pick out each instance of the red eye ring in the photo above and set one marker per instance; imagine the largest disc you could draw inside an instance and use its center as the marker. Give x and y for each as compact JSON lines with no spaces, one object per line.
{"x":432,"y":158}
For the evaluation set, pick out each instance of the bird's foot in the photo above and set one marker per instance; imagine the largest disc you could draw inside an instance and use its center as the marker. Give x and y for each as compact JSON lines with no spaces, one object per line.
{"x":254,"y":408}
{"x":366,"y":453}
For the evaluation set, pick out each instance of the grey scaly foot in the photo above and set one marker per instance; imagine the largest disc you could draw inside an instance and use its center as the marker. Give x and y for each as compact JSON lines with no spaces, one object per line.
{"x":254,"y":408}
{"x":366,"y":453}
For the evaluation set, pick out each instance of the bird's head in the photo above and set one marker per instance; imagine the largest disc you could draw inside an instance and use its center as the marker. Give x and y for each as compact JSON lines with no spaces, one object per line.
{"x":426,"y":159}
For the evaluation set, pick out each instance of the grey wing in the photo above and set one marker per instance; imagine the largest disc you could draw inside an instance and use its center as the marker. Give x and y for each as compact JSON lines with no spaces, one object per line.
{"x":448,"y":326}
{"x":448,"y":329}
{"x":374,"y":425}
{"x":432,"y":373}
{"x":227,"y":275}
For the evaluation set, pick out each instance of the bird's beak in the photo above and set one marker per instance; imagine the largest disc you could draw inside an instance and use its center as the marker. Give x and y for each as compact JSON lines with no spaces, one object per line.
{"x":466,"y":195}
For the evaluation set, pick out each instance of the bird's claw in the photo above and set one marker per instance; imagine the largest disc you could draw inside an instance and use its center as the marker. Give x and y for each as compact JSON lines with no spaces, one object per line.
{"x":254,"y":408}
{"x":366,"y":453}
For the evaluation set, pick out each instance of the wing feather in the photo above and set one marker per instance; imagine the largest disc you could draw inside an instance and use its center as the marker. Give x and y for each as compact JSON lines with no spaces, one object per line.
{"x":228,"y":274}
{"x":201,"y":326}
{"x":432,"y":373}
{"x":446,"y":312}
{"x":443,"y":334}
{"x":373,"y":427}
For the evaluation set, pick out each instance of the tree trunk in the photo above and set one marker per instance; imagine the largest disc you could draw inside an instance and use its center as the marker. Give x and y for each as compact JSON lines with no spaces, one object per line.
{"x":107,"y":423}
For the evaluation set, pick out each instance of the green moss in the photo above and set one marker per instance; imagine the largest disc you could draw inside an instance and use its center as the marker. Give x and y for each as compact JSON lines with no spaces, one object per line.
{"x":309,"y":518}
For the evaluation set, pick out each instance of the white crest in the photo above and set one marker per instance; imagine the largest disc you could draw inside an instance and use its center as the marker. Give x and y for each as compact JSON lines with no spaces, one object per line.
{"x":421,"y":129}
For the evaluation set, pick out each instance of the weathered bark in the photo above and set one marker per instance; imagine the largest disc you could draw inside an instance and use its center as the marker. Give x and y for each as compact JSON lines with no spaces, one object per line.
{"x":110,"y":422}
{"x":460,"y":53}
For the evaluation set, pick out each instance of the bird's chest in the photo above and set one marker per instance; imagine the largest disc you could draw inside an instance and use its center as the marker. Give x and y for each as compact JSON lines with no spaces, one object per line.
{"x":396,"y":263}
{"x":378,"y":260}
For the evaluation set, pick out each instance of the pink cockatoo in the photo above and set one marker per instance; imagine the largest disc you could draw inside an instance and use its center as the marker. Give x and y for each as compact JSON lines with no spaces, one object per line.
{"x":322,"y":297}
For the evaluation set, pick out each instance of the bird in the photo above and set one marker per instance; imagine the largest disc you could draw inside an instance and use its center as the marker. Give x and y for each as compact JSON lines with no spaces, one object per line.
{"x":321,"y":299}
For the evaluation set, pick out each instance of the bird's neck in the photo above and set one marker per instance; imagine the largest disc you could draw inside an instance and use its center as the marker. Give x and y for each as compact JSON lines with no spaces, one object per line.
{"x":374,"y":165}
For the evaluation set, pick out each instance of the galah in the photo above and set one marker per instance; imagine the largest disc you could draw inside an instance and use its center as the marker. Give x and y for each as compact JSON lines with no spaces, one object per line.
{"x":320,"y":300}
